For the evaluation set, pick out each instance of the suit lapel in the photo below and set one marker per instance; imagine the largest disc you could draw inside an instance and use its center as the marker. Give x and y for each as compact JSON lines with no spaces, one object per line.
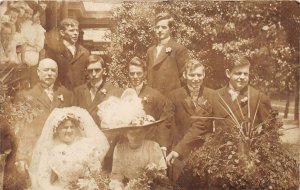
{"x":78,"y":54}
{"x":253,"y":99}
{"x":42,"y":97}
{"x":86,"y":96}
{"x":188,"y":103}
{"x":226,"y":103}
{"x":162,"y":54}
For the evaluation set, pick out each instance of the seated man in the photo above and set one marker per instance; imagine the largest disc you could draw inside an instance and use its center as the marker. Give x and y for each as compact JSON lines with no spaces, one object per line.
{"x":42,"y":98}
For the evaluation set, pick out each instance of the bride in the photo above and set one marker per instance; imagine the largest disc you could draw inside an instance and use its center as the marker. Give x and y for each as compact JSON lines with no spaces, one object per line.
{"x":69,"y":148}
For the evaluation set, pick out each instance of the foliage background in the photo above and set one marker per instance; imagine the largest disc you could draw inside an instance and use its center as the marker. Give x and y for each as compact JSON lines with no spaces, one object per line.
{"x":266,"y":32}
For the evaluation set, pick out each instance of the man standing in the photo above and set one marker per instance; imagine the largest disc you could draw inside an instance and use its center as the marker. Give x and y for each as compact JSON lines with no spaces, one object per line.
{"x":95,"y":91}
{"x":154,"y":102}
{"x":167,"y":58}
{"x":71,"y":57}
{"x":233,"y":104}
{"x":43,"y":98}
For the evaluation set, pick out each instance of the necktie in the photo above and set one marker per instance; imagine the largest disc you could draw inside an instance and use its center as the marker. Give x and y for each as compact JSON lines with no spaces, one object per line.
{"x":49,"y":93}
{"x":93,"y":91}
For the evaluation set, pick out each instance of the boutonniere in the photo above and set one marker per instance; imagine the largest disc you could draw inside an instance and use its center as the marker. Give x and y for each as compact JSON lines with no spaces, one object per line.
{"x":103,"y":91}
{"x":244,"y":99}
{"x":146,"y":99}
{"x":61,"y":97}
{"x":168,"y":50}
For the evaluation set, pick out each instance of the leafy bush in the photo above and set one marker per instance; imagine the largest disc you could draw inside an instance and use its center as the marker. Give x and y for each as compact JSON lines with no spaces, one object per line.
{"x":265,"y":32}
{"x":226,"y":162}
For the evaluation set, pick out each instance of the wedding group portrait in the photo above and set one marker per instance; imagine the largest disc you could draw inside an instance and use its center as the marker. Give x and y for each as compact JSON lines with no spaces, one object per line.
{"x":149,"y":95}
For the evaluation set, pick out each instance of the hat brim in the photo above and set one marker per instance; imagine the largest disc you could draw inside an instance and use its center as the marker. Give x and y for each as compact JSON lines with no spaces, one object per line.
{"x":130,"y":127}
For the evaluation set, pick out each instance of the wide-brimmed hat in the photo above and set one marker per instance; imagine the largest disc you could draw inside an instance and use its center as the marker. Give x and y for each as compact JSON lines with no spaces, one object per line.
{"x":125,"y":113}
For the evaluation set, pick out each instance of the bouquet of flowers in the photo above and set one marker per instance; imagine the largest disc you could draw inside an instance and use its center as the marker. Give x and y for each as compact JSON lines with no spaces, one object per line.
{"x":92,"y":181}
{"x":152,"y":178}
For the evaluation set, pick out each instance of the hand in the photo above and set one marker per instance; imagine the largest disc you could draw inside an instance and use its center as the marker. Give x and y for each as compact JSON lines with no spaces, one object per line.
{"x":21,"y":166}
{"x":171,"y":157}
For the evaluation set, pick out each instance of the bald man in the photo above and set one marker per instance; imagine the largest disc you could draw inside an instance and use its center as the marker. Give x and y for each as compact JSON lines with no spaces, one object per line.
{"x":43,"y":98}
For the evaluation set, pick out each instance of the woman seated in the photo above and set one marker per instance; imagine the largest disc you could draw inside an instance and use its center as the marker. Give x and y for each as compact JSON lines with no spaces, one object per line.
{"x":70,"y":147}
{"x":134,"y":153}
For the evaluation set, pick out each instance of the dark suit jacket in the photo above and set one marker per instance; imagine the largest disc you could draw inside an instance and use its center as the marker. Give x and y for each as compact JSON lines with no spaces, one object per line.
{"x":38,"y":99}
{"x":257,"y":101}
{"x":71,"y":70}
{"x":83,"y":98}
{"x":165,"y":71}
{"x":158,"y":106}
{"x":184,"y":108}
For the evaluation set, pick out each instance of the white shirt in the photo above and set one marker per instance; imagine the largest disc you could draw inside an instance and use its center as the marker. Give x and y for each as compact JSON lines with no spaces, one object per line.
{"x":138,"y":88}
{"x":70,"y":47}
{"x":161,"y":44}
{"x":49,"y":91}
{"x":233,"y":93}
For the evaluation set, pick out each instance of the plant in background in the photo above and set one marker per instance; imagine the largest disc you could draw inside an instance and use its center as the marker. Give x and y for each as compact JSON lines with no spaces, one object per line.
{"x":230,"y":160}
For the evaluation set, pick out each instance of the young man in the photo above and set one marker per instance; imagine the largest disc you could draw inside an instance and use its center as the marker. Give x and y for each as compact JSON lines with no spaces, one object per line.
{"x":154,"y":102}
{"x":166,"y":59}
{"x":193,"y":99}
{"x":237,"y":100}
{"x":95,"y":91}
{"x":71,"y":57}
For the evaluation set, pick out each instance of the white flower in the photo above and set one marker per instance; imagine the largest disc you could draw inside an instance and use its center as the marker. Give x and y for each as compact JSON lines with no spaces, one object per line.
{"x":145,"y":99}
{"x":168,"y":50}
{"x":103,"y":91}
{"x":245,"y":99}
{"x":61,"y":97}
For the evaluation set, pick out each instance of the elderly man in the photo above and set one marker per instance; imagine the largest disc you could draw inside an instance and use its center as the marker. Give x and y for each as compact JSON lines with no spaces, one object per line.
{"x":154,"y":102}
{"x":167,"y":58}
{"x":71,"y":57}
{"x":42,"y":99}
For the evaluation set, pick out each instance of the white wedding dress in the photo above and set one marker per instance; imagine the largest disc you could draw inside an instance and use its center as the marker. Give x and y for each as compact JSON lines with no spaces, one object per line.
{"x":55,"y":164}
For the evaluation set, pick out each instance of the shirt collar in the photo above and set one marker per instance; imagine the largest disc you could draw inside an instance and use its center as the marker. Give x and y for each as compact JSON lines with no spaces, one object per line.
{"x":165,"y":41}
{"x":138,"y":88}
{"x":68,"y":44}
{"x":97,"y":85}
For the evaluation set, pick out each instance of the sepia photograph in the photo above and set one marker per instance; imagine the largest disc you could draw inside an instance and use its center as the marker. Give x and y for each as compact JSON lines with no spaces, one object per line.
{"x":149,"y":95}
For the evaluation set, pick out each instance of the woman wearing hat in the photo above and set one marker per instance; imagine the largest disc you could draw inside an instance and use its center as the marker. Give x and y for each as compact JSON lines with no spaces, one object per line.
{"x":134,"y":153}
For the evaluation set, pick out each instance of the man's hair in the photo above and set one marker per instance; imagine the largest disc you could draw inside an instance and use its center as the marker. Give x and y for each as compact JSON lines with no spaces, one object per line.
{"x":136,"y":61}
{"x":95,"y":58}
{"x":165,"y":16}
{"x":192,"y":64}
{"x":67,"y":22}
{"x":235,"y":61}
